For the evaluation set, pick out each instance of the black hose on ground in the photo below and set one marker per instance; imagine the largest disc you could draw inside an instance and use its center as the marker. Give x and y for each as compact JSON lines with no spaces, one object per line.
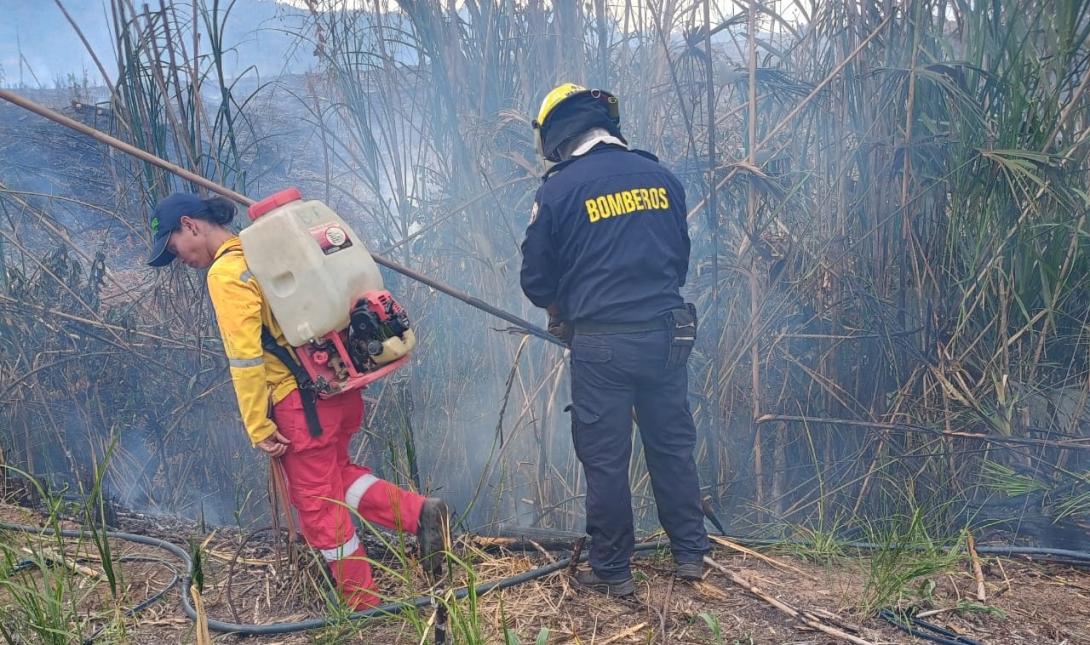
{"x":924,"y":630}
{"x":545,"y":537}
{"x":388,"y":609}
{"x":25,"y":564}
{"x":150,"y":600}
{"x":394,"y":608}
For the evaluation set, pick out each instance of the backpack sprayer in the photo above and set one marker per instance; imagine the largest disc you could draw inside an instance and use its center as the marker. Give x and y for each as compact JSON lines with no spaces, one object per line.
{"x":326,"y":293}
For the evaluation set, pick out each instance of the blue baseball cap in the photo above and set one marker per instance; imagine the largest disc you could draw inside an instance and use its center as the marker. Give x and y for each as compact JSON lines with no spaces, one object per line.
{"x":165,"y":219}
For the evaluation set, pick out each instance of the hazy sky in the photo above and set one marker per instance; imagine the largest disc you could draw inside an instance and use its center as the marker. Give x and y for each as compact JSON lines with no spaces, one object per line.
{"x":51,"y":50}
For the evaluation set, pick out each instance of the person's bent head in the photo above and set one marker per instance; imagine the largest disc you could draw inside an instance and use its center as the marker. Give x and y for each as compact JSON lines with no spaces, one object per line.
{"x":189,"y":228}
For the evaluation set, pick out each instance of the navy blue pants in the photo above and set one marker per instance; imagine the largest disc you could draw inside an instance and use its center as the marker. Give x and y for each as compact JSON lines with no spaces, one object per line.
{"x":611,"y":374}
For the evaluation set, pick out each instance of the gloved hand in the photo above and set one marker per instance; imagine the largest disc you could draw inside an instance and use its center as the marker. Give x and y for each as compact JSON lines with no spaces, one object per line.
{"x":559,"y":327}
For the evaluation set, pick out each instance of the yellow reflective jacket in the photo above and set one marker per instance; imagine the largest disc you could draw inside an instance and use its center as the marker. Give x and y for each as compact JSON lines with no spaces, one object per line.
{"x":260,"y":378}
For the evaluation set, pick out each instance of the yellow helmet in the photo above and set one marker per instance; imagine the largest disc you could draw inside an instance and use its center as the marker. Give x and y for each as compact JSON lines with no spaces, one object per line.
{"x":559,"y":95}
{"x":554,"y":98}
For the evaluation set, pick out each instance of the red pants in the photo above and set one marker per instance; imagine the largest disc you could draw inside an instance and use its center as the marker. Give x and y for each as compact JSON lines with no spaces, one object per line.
{"x":324,"y":485}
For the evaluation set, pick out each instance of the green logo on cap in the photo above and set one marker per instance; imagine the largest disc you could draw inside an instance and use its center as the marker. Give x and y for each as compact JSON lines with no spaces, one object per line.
{"x":155,"y":225}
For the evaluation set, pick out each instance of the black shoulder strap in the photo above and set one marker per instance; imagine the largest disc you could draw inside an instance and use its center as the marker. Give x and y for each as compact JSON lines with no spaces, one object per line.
{"x":307,"y":391}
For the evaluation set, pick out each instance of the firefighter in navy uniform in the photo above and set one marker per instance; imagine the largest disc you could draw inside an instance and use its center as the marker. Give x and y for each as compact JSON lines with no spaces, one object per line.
{"x":606,"y":253}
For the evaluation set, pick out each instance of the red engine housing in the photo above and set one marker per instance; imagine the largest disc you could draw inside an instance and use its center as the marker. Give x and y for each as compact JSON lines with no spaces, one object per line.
{"x":329,"y":362}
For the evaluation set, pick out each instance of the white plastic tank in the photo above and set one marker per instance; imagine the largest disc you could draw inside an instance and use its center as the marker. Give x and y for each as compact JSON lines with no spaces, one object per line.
{"x":311,"y":266}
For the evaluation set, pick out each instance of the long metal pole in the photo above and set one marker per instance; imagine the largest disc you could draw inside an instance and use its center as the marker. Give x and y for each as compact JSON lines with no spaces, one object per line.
{"x":144,"y":155}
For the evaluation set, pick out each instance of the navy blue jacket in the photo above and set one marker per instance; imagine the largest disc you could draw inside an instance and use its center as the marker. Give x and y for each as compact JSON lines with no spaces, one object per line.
{"x":607,"y":240}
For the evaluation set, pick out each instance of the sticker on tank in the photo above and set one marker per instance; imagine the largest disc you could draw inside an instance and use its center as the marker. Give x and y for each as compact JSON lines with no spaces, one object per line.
{"x":331,"y":238}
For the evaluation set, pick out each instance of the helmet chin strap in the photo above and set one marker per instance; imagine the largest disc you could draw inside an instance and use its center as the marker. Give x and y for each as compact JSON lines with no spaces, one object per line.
{"x":540,"y":147}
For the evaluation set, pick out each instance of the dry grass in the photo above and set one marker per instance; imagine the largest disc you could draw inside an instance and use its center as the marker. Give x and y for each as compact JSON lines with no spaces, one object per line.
{"x":1028,"y":603}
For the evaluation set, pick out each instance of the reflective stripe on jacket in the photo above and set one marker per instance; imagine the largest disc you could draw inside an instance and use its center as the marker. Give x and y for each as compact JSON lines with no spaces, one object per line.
{"x":259,"y":377}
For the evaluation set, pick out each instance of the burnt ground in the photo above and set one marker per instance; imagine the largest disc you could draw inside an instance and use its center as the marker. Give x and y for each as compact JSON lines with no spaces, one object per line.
{"x":247,"y":581}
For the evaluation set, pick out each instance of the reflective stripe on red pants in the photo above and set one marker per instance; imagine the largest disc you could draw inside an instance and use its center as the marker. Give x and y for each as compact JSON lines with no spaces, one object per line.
{"x":324,"y":484}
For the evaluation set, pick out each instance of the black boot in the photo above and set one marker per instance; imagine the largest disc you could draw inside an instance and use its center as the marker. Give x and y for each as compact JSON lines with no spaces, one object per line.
{"x":619,"y":588}
{"x":689,"y":570}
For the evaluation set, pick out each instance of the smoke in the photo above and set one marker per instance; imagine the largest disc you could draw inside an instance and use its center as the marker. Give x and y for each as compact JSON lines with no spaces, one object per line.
{"x":813,"y":304}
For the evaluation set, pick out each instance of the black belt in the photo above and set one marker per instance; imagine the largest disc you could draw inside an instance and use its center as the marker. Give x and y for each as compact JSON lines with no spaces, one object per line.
{"x":589,"y":327}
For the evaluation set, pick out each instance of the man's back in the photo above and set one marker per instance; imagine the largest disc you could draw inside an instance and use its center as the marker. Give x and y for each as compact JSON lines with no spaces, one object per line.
{"x":608,"y":241}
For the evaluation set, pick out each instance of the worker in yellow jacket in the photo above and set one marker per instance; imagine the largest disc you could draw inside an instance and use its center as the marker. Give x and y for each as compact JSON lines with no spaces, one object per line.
{"x":324,"y":485}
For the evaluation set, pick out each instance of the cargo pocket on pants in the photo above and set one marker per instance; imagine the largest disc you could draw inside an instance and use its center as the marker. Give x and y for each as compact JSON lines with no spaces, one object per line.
{"x":682,"y":336}
{"x":321,"y":522}
{"x":588,"y":354}
{"x":583,"y":414}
